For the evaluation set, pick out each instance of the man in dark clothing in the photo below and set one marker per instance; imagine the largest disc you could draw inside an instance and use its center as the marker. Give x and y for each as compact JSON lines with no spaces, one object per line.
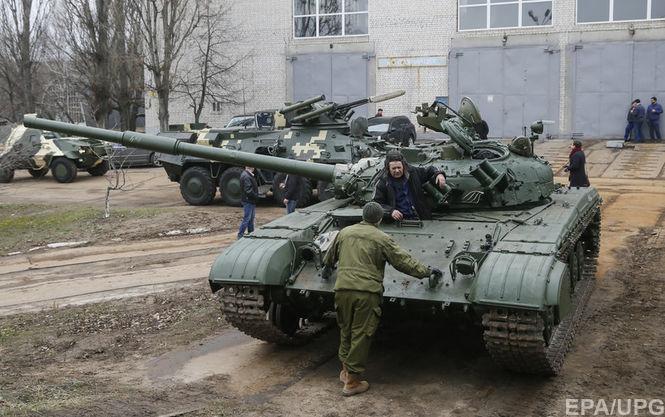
{"x":576,"y":166}
{"x":379,"y":113}
{"x":400,"y":191}
{"x":249,"y":196}
{"x":653,"y":118}
{"x":292,"y":187}
{"x":636,"y":115}
{"x":360,"y":253}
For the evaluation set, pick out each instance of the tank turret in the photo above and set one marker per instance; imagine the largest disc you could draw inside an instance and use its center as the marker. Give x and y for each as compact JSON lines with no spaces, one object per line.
{"x":518,"y":252}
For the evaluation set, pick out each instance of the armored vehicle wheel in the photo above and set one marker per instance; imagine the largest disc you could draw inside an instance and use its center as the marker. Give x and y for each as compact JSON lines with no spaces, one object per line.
{"x":278,"y":194}
{"x":530,"y":341}
{"x":247,"y":309}
{"x":6,"y":175}
{"x":99,"y":170}
{"x":230,"y":186}
{"x":154,"y":160}
{"x":325,"y":190}
{"x":197,"y":187}
{"x":38,"y":173}
{"x":63,"y":170}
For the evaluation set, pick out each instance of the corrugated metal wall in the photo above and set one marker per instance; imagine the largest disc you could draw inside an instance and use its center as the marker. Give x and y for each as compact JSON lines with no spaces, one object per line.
{"x":512,"y":87}
{"x":341,"y":77}
{"x":607,"y":76}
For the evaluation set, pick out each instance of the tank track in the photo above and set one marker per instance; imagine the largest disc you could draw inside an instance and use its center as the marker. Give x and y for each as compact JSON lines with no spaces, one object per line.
{"x":245,"y":308}
{"x":515,"y":338}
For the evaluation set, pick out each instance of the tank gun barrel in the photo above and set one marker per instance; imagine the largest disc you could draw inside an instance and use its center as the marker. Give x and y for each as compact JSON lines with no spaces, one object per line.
{"x":173,"y":146}
{"x":302,"y":104}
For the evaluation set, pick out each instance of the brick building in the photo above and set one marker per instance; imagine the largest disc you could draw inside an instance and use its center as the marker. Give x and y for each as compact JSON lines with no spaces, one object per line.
{"x":578,"y":63}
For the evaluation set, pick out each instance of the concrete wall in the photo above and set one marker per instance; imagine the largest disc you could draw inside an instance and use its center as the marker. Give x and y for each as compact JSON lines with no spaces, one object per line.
{"x":408,"y":45}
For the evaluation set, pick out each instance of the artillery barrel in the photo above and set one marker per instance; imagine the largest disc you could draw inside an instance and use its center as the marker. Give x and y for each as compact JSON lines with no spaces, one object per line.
{"x":303,"y":117}
{"x":302,"y":104}
{"x":173,"y":146}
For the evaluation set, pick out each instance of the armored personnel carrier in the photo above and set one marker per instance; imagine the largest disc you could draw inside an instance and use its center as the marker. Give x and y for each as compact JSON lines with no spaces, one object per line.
{"x":517,"y":250}
{"x":310,"y":130}
{"x":38,"y":152}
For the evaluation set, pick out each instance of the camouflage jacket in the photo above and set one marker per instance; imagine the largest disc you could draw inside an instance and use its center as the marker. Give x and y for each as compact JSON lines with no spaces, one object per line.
{"x":361,"y":252}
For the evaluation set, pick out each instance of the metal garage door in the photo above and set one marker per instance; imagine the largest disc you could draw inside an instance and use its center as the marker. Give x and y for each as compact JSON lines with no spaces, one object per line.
{"x":607,"y":76}
{"x":513,"y":87}
{"x":341,"y":77}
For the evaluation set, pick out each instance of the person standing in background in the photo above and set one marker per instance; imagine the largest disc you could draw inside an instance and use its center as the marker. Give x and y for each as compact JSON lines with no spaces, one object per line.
{"x":292,"y":187}
{"x":249,"y":196}
{"x":653,"y":118}
{"x":577,"y":166}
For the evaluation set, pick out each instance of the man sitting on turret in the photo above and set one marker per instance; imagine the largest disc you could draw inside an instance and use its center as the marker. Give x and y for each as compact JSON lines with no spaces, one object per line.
{"x":400,"y":191}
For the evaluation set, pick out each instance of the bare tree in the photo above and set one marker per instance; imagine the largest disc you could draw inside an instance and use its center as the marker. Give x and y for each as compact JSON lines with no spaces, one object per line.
{"x":166,"y":25}
{"x":87,"y":29}
{"x":211,"y":76}
{"x":127,"y":63}
{"x":22,"y":27}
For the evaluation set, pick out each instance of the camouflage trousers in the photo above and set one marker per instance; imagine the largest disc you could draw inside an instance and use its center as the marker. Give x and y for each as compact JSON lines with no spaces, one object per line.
{"x":358,"y":316}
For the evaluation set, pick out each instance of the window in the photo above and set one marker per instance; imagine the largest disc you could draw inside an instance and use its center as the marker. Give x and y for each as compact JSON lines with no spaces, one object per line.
{"x":323,"y":18}
{"x":217,"y":106}
{"x":598,"y":11}
{"x":495,"y":14}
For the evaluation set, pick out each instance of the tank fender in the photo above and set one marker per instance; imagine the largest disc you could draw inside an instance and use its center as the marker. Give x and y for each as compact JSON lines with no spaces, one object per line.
{"x":519,"y":280}
{"x":255,"y":260}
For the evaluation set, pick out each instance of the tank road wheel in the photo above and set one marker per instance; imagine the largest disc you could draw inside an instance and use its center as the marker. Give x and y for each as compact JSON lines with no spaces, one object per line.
{"x":196,"y":186}
{"x":248,"y":310}
{"x":230,"y":186}
{"x":325,"y":190}
{"x":38,"y":173}
{"x":100,"y":169}
{"x":63,"y":170}
{"x":533,"y":341}
{"x":154,"y":160}
{"x":6,"y":175}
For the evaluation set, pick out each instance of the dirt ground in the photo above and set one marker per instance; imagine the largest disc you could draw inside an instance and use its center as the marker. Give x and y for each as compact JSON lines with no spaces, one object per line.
{"x":124,"y":325}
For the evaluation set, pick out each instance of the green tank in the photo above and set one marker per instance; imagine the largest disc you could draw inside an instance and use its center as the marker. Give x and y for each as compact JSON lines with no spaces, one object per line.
{"x":40,"y":151}
{"x":517,"y":250}
{"x":310,"y":130}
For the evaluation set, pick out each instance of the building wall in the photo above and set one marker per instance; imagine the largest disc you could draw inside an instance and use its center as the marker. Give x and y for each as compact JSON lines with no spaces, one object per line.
{"x":408,"y":45}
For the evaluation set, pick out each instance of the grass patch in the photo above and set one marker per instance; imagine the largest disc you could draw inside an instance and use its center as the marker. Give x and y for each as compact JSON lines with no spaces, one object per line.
{"x":6,"y":334}
{"x":24,"y":226}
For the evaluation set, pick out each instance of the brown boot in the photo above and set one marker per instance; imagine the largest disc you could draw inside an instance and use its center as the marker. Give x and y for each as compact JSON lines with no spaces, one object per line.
{"x":343,"y":374}
{"x":354,"y":385}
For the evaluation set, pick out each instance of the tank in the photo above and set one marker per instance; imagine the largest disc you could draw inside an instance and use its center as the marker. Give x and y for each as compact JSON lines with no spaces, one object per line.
{"x":310,"y":130}
{"x":518,"y":251}
{"x":39,"y":151}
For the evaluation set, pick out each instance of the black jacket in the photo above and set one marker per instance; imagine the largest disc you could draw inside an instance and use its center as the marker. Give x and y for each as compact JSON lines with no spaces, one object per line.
{"x":250,"y":188}
{"x":577,"y":171}
{"x":293,"y":187}
{"x":416,"y":177}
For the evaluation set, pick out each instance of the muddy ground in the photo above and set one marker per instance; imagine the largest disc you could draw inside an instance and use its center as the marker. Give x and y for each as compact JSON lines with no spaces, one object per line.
{"x":124,"y":325}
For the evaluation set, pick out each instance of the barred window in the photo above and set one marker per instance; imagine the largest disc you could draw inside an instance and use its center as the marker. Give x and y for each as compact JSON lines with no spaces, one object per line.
{"x":495,"y":14}
{"x":324,"y":18}
{"x":599,"y":11}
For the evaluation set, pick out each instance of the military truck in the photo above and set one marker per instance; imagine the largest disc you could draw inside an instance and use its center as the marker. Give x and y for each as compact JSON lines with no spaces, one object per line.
{"x":309,"y":130}
{"x":40,"y":151}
